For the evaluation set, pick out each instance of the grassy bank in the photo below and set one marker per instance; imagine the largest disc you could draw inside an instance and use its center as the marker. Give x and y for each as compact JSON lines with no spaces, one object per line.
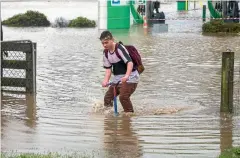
{"x":48,"y":155}
{"x":231,"y":153}
{"x":219,"y":26}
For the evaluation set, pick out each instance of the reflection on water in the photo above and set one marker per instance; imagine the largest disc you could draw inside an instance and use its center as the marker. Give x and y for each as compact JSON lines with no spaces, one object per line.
{"x":226,"y":131}
{"x":177,"y":102}
{"x":119,"y":138}
{"x":22,"y":105}
{"x":18,"y":115}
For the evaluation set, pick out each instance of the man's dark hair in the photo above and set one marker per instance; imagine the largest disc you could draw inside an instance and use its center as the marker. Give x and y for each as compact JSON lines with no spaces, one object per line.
{"x":106,"y":35}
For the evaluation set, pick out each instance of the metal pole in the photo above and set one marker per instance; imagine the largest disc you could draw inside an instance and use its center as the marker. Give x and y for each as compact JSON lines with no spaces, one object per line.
{"x":204,"y":13}
{"x":186,"y":4}
{"x":147,"y":8}
{"x":1,"y":32}
{"x":1,"y":20}
{"x":224,"y":9}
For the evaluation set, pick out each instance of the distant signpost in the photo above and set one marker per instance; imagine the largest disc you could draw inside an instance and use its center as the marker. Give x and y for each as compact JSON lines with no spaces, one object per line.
{"x":119,"y":2}
{"x":115,"y":2}
{"x":141,"y":2}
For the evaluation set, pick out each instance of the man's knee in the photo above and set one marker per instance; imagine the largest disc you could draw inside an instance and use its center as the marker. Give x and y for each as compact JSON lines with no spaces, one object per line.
{"x":124,"y":97}
{"x":126,"y":103}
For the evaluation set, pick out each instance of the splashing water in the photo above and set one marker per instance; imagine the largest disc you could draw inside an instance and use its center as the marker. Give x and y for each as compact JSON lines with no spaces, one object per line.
{"x":98,"y":108}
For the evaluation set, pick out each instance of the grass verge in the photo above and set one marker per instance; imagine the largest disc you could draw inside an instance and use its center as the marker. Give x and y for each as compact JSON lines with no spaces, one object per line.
{"x":231,"y":153}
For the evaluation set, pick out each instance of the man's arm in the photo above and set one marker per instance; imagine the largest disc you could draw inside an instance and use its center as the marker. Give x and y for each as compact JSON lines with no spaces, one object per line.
{"x":129,"y":69}
{"x":107,"y":65}
{"x":108,"y":73}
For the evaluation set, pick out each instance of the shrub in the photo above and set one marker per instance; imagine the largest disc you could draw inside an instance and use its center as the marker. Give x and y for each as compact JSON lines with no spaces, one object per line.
{"x":215,"y":26}
{"x":30,"y":18}
{"x":60,"y":22}
{"x":82,"y":22}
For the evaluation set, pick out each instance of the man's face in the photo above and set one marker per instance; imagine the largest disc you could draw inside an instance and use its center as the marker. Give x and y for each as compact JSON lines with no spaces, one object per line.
{"x":107,"y":43}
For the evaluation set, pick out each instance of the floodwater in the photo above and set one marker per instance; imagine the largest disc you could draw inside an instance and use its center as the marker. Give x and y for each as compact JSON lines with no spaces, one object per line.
{"x":177,"y":101}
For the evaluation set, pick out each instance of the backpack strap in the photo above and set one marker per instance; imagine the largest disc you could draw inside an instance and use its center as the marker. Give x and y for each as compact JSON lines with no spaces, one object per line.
{"x":116,"y":51}
{"x":105,"y":51}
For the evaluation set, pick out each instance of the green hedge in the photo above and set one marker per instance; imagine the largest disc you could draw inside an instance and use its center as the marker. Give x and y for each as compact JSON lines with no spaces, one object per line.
{"x":82,"y":22}
{"x":30,"y":18}
{"x":216,"y":26}
{"x":34,"y":18}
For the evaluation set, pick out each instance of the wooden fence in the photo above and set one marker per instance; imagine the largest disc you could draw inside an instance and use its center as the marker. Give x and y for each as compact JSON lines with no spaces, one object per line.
{"x":18,"y":66}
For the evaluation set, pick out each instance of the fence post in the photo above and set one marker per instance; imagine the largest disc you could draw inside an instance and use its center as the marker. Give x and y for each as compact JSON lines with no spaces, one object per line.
{"x":34,"y":54}
{"x":227,"y":82}
{"x":1,"y":62}
{"x":29,"y":74}
{"x":31,"y":69}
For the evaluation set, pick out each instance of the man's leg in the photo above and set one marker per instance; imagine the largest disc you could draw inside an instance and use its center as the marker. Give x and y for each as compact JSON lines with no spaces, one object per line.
{"x":126,"y":91}
{"x":109,"y":95}
{"x":108,"y":98}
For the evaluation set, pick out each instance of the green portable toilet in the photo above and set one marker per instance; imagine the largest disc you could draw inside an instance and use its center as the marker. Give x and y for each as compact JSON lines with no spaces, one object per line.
{"x":118,"y":14}
{"x":181,"y":5}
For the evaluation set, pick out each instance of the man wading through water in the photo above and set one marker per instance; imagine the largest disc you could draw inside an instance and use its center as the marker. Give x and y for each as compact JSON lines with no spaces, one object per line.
{"x":122,"y":69}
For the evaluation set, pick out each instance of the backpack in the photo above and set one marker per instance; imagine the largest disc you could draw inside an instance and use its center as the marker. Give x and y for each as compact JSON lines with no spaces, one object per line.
{"x":133,"y":53}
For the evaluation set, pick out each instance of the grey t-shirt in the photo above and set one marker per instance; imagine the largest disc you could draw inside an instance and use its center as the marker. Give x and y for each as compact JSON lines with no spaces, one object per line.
{"x":119,"y":65}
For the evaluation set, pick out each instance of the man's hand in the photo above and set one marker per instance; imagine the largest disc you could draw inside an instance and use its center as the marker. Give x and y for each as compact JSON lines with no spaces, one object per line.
{"x":129,"y":70}
{"x":124,"y":79}
{"x":104,"y":83}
